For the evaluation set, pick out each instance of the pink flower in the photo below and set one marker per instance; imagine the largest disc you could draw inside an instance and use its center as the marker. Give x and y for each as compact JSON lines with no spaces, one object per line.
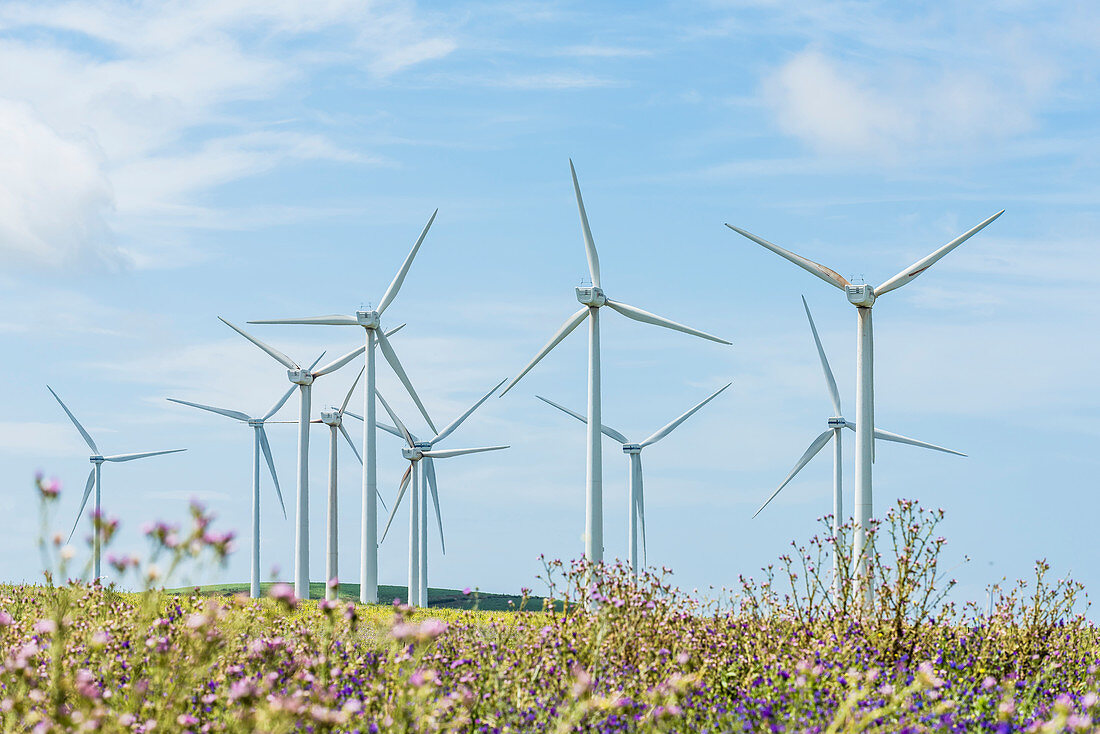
{"x":284,"y":594}
{"x":45,"y":626}
{"x":5,"y":619}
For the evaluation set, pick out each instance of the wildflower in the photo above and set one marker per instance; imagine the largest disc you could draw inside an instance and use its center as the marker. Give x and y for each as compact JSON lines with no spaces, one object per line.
{"x":284,"y":594}
{"x":48,"y":488}
{"x":45,"y":626}
{"x":5,"y":619}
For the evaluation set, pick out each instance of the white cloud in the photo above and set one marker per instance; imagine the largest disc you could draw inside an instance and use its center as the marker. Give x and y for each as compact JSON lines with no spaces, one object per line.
{"x":127,"y":110}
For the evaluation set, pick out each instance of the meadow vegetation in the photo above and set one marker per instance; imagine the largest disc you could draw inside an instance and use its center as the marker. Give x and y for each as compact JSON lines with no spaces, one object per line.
{"x":788,"y":652}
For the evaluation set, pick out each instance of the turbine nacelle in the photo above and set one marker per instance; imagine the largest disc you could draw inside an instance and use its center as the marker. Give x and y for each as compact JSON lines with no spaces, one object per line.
{"x":837,"y":422}
{"x":96,"y":459}
{"x":862,"y":296}
{"x":632,"y":448}
{"x":331,"y":416}
{"x":300,"y":376}
{"x":412,"y":454}
{"x":255,"y":422}
{"x":368,"y":319}
{"x":591,"y":296}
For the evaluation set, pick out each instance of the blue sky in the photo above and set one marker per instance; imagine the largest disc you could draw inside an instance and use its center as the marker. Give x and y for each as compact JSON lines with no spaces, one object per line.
{"x":171,"y":162}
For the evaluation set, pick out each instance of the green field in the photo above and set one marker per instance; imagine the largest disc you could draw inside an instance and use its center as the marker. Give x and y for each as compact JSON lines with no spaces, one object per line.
{"x":438,"y":598}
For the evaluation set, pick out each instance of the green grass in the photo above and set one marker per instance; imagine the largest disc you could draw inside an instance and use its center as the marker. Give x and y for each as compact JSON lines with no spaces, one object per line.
{"x":438,"y":598}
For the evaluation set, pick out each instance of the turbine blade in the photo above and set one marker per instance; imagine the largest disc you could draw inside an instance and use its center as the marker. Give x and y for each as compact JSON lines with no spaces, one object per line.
{"x":347,"y":398}
{"x":672,"y":426}
{"x":333,"y":366}
{"x":403,"y":432}
{"x":395,"y":286}
{"x":603,"y":429}
{"x":330,"y":320}
{"x":351,"y":443}
{"x":633,"y":312}
{"x":829,"y":276}
{"x":397,"y":502}
{"x":589,"y":245}
{"x":429,"y":474}
{"x":811,"y":452}
{"x":282,"y":401}
{"x":395,"y":364}
{"x":571,"y":323}
{"x":83,"y":502}
{"x":396,"y":329}
{"x":911,"y":272}
{"x":458,"y":421}
{"x":898,"y":438}
{"x":266,"y":447}
{"x":830,"y":381}
{"x":278,"y":356}
{"x":447,"y":453}
{"x":319,"y":357}
{"x":221,"y":411}
{"x":142,"y":455}
{"x":87,"y":438}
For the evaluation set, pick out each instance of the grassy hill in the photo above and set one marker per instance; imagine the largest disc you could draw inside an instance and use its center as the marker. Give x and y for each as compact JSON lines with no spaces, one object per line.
{"x":439,"y":598}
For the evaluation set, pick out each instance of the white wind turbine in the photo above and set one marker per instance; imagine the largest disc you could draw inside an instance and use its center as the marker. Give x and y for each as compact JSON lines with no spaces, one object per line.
{"x":334,"y":419}
{"x":592,"y":299}
{"x":370,"y":321}
{"x":836,"y":424}
{"x":421,"y":453}
{"x":863,"y":297}
{"x":633,"y":449}
{"x":97,"y":460}
{"x":260,"y":445}
{"x":303,"y":378}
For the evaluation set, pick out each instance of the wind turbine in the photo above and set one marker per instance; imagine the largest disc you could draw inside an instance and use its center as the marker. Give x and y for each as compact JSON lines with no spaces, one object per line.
{"x":259,"y":444}
{"x":421,"y":453}
{"x":370,"y":320}
{"x":303,"y":378}
{"x":97,"y":460}
{"x":863,"y":297}
{"x":633,"y":450}
{"x":836,"y":424}
{"x":592,"y":299}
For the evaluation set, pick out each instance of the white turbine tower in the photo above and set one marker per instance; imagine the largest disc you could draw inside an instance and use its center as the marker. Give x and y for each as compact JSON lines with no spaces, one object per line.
{"x":427,"y":483}
{"x":863,"y":297}
{"x":593,"y":298}
{"x":259,"y":445}
{"x":836,"y":424}
{"x":633,"y":450}
{"x":97,"y":460}
{"x":303,"y":378}
{"x":421,"y":453}
{"x":370,"y":321}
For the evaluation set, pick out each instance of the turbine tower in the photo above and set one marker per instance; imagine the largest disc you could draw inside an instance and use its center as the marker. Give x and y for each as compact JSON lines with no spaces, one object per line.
{"x":836,"y":424}
{"x":863,"y":297}
{"x":633,"y":450}
{"x":97,"y":460}
{"x":370,"y":321}
{"x":304,"y":379}
{"x":421,"y":472}
{"x":592,"y":299}
{"x":259,"y":445}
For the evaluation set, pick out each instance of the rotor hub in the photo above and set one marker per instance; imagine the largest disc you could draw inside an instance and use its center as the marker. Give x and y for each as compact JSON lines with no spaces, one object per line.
{"x":300,"y":376}
{"x":368,"y":319}
{"x":331,"y":417}
{"x":862,"y":296}
{"x":591,"y":296}
{"x":632,"y":448}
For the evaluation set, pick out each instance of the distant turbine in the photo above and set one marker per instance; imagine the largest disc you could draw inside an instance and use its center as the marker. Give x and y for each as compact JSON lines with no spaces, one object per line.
{"x":97,"y":460}
{"x":303,"y":378}
{"x":636,"y":500}
{"x":863,"y":298}
{"x":334,"y":419}
{"x":836,"y":423}
{"x":370,"y":321}
{"x":260,"y":444}
{"x":416,"y":452}
{"x":593,"y":298}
